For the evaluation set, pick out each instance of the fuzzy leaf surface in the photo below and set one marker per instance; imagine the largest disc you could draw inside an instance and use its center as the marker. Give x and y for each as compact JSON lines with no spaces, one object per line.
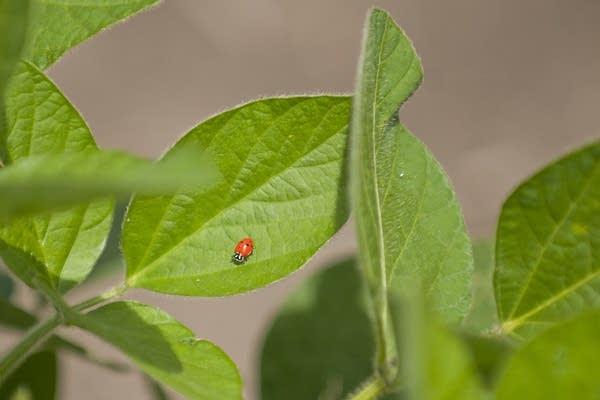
{"x":58,"y":25}
{"x":409,"y":224}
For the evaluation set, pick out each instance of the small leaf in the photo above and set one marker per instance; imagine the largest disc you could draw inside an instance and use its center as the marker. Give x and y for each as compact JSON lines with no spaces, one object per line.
{"x":483,"y":315}
{"x":7,"y":286}
{"x":548,"y":245}
{"x":37,"y":376}
{"x":282,"y":162}
{"x":320,"y":345}
{"x":560,"y":363}
{"x":434,"y":363}
{"x":410,"y":227}
{"x":165,"y":350}
{"x":59,"y":25}
{"x":15,"y":317}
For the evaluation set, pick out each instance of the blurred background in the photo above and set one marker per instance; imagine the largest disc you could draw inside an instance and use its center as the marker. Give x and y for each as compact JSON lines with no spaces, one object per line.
{"x":509,"y":86}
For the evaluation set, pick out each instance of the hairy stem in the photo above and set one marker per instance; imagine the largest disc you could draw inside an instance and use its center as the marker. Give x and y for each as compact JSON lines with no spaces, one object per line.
{"x":39,"y":332}
{"x":370,"y":390}
{"x":34,"y":336}
{"x":109,"y":294}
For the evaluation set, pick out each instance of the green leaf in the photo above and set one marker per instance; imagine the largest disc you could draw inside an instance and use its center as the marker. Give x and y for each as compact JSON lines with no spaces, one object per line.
{"x":37,"y":376}
{"x":434,"y":362}
{"x":165,"y":350}
{"x":548,"y":245}
{"x":50,"y":182}
{"x":13,"y":25}
{"x":283,"y":186}
{"x":489,"y":354}
{"x":320,"y":345}
{"x":560,"y":363}
{"x":41,"y":121}
{"x":7,"y":286}
{"x":15,"y":317}
{"x":410,"y":227}
{"x":483,"y":315}
{"x":57,"y":249}
{"x":59,"y":25}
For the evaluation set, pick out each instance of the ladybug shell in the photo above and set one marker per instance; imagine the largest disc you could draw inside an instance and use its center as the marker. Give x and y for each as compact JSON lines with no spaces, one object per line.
{"x":244,"y":247}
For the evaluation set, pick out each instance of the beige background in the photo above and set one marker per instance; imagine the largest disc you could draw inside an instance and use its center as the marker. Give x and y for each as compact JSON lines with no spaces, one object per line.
{"x":509,"y":85}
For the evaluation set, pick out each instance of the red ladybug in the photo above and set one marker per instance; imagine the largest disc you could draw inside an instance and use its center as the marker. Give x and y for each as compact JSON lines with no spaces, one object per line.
{"x":242,"y":250}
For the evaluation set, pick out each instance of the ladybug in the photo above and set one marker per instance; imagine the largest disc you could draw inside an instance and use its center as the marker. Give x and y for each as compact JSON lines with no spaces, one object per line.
{"x":242,"y":250}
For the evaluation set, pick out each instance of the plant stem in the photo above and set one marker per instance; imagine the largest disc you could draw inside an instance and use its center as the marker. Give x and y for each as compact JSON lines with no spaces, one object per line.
{"x":109,"y":294}
{"x":17,"y":354}
{"x":369,"y":391}
{"x":37,"y":333}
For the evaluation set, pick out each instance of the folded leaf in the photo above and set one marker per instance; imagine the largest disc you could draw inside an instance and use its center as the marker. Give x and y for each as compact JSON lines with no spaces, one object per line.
{"x":548,"y":245}
{"x":282,"y":161}
{"x":59,"y":25}
{"x":410,"y":227}
{"x":165,"y":350}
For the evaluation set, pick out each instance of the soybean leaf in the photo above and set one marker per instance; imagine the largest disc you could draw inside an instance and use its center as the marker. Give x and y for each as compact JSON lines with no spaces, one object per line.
{"x":283,"y":185}
{"x":36,"y":376}
{"x":548,"y":245}
{"x":560,"y":363}
{"x":50,"y":182}
{"x":61,"y":248}
{"x":165,"y":350}
{"x":13,"y":25}
{"x":483,"y":315}
{"x":59,"y":25}
{"x":41,"y":121}
{"x":7,"y":286}
{"x":489,"y":354}
{"x":13,"y":316}
{"x":434,"y":362}
{"x":410,"y":227}
{"x":320,"y":345}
